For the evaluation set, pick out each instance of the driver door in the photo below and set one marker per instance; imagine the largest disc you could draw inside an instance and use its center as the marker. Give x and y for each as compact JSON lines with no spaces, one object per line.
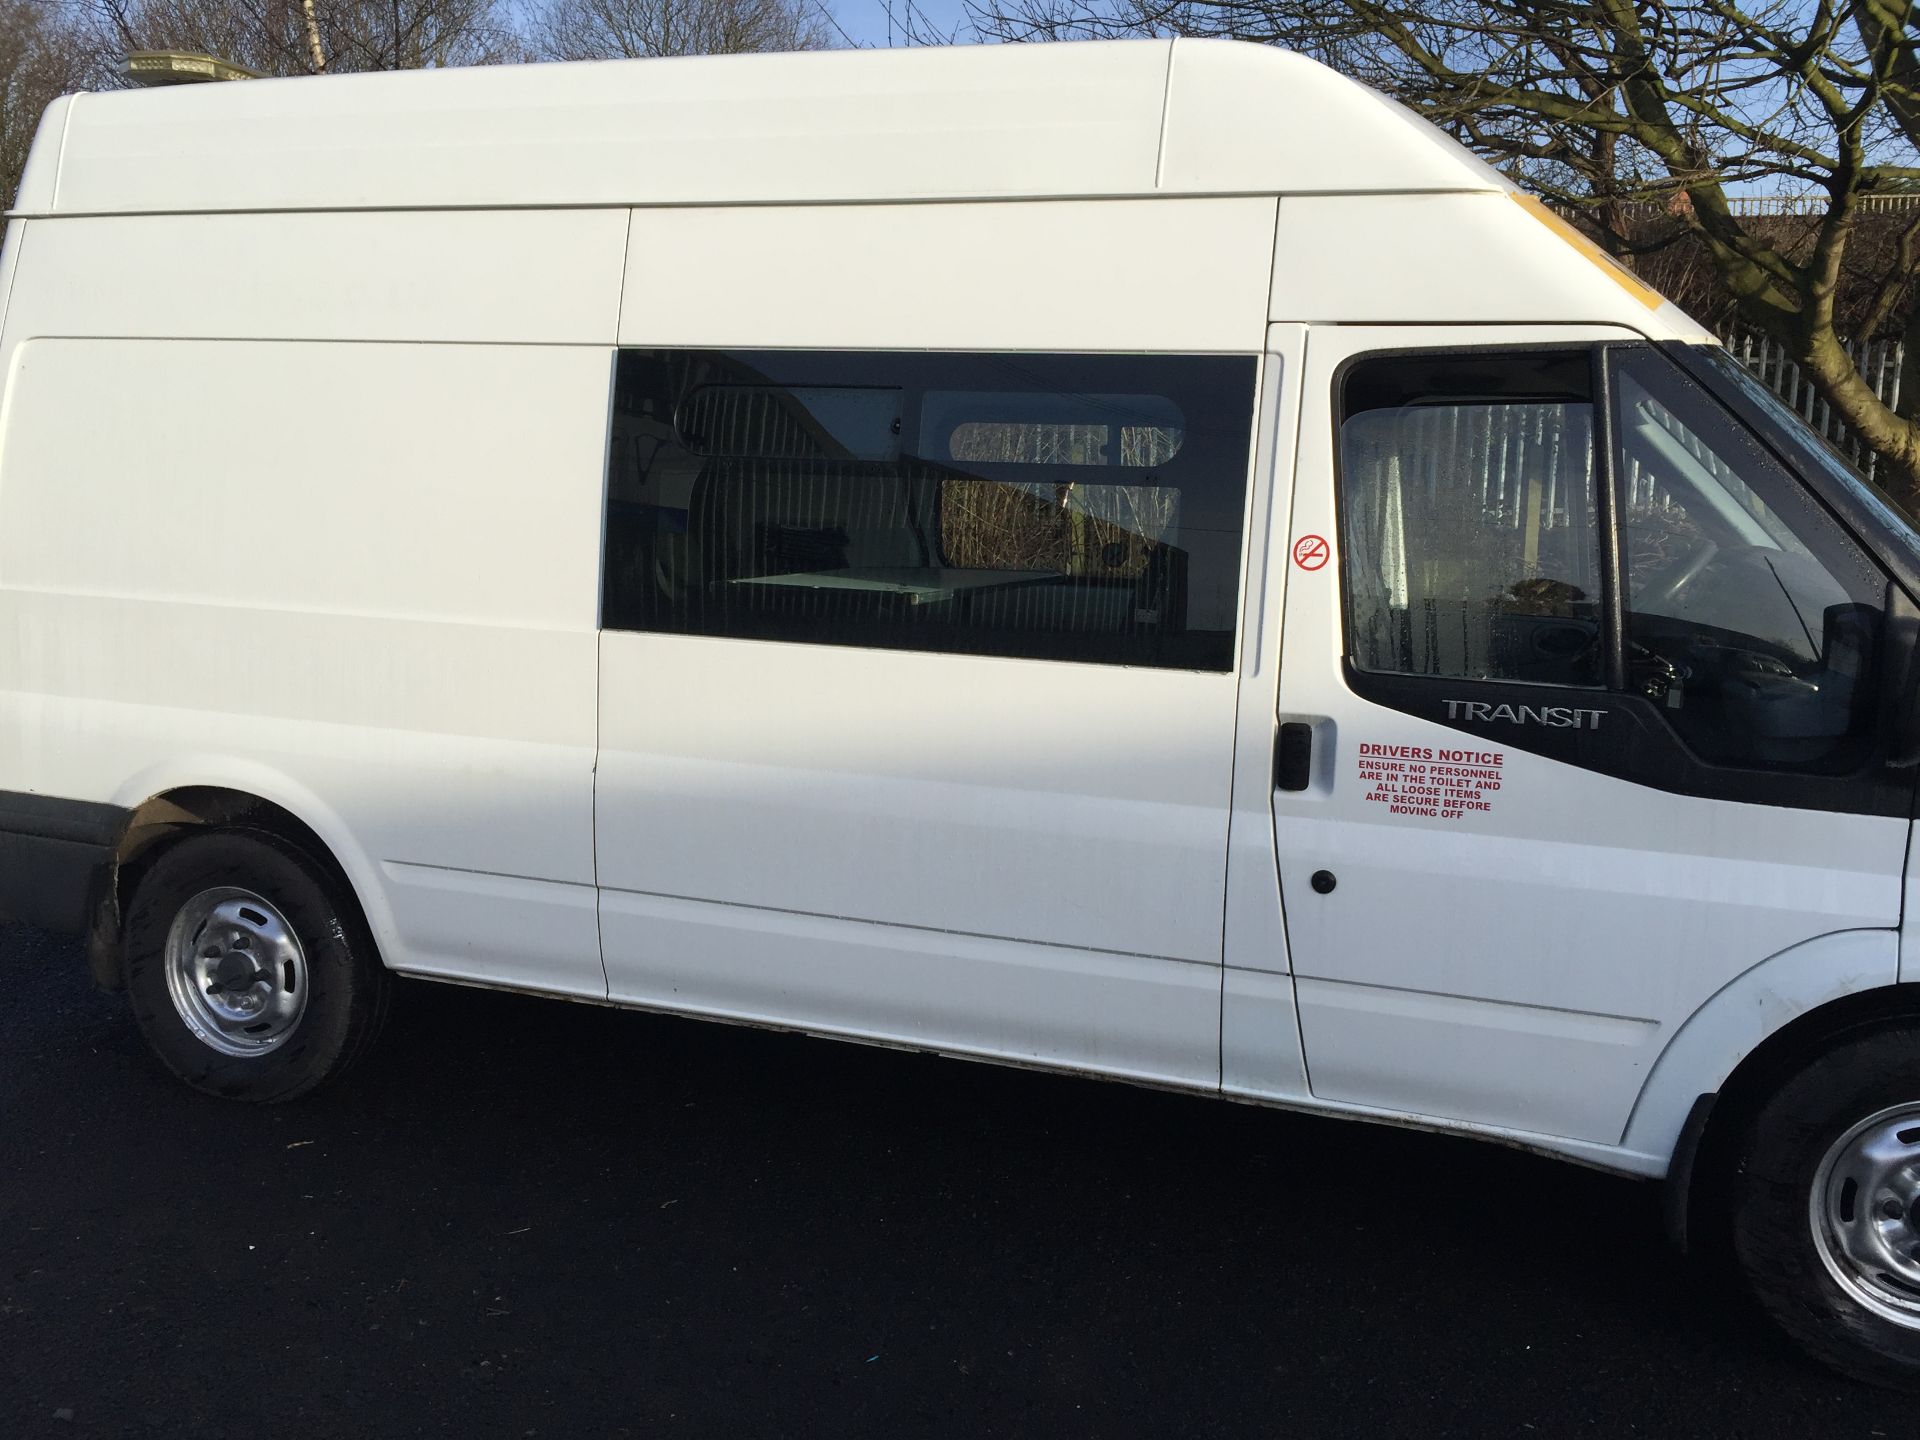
{"x":1593,"y":688}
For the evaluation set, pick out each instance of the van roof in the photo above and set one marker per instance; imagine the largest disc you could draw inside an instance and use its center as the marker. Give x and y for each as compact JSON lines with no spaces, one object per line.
{"x":1092,"y":119}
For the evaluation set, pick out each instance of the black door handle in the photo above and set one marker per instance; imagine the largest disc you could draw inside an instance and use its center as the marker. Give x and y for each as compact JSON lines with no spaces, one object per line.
{"x":1293,"y":756}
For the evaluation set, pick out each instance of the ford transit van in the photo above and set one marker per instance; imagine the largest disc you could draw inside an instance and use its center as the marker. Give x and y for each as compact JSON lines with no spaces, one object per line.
{"x":1139,"y":559}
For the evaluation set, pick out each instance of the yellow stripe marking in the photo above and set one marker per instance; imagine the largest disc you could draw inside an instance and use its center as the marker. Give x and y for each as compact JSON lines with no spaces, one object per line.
{"x":1618,"y":273}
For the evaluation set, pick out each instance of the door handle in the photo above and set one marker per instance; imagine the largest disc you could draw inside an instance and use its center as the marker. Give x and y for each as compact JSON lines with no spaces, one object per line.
{"x":1293,"y":756}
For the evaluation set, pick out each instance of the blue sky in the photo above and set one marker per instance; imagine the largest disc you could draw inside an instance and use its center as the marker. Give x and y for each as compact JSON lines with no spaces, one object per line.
{"x":865,"y":21}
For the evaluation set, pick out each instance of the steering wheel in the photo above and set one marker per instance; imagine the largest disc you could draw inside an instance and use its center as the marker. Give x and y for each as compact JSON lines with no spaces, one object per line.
{"x":1667,"y":589}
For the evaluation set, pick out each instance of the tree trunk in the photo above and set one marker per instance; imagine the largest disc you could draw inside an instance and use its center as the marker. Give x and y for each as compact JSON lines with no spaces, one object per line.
{"x":313,"y":38}
{"x":1893,"y":434}
{"x":1907,"y":400}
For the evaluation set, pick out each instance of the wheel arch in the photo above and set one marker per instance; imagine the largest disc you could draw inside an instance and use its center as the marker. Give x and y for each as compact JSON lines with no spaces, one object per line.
{"x":1738,"y":1048}
{"x":160,"y":814}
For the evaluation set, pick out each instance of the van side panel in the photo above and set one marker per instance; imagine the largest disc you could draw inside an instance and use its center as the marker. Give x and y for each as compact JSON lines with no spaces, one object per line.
{"x":501,"y":277}
{"x":838,"y":125}
{"x":1134,"y":117}
{"x":1081,"y":806}
{"x":357,"y":579}
{"x":1289,"y":138}
{"x":382,"y":481}
{"x":1445,"y":259}
{"x":1041,"y":275}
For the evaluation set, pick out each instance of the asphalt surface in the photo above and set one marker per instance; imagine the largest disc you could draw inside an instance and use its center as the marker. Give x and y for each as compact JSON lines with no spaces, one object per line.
{"x":527,"y":1218}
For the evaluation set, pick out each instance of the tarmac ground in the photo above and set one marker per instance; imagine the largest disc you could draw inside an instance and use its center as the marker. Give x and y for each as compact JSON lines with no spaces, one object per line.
{"x":527,"y":1218}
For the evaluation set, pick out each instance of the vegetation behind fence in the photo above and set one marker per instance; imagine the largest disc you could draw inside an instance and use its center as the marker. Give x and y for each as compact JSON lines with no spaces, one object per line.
{"x":1879,"y":362}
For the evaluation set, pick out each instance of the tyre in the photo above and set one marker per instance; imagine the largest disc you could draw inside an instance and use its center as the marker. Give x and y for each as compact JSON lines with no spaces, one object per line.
{"x":1826,"y":1207}
{"x":250,"y":971}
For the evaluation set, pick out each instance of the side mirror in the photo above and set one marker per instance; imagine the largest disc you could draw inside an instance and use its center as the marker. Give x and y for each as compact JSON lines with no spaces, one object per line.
{"x":1901,"y":667}
{"x":1846,"y":638}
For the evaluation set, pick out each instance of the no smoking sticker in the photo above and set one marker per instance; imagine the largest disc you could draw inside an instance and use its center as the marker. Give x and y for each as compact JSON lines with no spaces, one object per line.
{"x":1310,"y":552}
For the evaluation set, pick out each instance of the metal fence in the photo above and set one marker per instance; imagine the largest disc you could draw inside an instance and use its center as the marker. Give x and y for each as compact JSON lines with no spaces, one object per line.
{"x":1752,"y":205}
{"x":1879,"y":362}
{"x":1817,"y":203}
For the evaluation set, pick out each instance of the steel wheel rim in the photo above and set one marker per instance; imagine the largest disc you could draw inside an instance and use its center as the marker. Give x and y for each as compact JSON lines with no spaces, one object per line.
{"x":236,"y":972}
{"x":1865,"y":1213}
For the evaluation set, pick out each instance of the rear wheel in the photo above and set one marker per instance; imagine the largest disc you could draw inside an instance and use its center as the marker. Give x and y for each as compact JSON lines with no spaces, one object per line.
{"x":250,"y":972}
{"x":1826,"y":1221}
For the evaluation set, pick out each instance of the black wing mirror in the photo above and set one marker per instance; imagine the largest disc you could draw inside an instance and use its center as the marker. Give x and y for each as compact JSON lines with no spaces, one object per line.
{"x":1902,"y":670}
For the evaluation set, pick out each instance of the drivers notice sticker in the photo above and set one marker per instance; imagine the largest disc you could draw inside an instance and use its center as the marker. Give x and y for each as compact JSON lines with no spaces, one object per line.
{"x":1437,"y":784}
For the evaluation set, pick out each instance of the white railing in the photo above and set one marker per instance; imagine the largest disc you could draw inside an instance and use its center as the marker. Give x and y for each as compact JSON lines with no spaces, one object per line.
{"x":1879,"y":362}
{"x":1817,"y":203}
{"x":1752,"y":205}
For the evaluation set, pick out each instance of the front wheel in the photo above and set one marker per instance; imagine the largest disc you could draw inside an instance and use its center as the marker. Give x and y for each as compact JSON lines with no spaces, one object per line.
{"x":250,"y":972}
{"x":1826,"y":1220}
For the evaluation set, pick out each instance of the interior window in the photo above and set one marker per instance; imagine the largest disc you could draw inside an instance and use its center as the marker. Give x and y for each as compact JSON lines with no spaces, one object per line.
{"x":1468,"y":517}
{"x":1751,"y":616}
{"x":1044,"y":506}
{"x":1110,"y":529}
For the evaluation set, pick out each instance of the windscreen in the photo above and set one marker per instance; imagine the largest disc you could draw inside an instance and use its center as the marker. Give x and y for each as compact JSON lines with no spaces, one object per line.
{"x":1740,"y":388}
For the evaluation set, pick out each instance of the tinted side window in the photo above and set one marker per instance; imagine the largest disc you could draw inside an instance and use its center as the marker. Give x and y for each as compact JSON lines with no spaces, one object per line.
{"x":1066,"y":507}
{"x":1468,"y":517}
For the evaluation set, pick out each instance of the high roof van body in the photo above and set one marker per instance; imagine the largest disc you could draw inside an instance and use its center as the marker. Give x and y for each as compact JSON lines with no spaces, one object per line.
{"x":1142,"y":559}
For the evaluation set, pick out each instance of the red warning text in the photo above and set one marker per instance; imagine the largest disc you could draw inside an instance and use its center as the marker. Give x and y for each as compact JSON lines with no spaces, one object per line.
{"x":1429,"y":782}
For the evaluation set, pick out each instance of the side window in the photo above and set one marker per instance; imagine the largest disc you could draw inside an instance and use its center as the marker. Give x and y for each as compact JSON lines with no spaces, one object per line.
{"x":1470,"y":492}
{"x":1468,"y":517}
{"x":1751,"y":616}
{"x":1055,"y":507}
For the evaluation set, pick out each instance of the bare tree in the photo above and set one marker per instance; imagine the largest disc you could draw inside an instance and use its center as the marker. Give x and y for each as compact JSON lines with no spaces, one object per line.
{"x":300,"y":37}
{"x":418,"y":34}
{"x":633,"y":29}
{"x":1602,"y":103}
{"x":43,"y":53}
{"x":908,"y":23}
{"x":269,"y":36}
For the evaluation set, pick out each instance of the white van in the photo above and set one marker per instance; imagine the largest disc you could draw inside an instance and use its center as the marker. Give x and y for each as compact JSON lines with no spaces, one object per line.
{"x":1141,"y":559}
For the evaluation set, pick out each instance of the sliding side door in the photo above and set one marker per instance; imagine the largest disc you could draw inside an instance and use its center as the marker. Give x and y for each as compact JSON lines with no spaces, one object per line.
{"x":917,"y":696}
